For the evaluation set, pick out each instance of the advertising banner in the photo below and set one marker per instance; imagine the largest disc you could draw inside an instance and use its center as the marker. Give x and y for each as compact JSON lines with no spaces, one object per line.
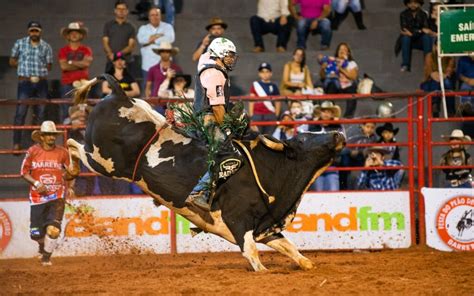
{"x":355,"y":220}
{"x":91,"y":227}
{"x":449,"y":215}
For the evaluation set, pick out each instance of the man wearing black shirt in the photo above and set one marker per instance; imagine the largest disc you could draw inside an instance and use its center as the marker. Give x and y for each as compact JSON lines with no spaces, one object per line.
{"x":412,"y":22}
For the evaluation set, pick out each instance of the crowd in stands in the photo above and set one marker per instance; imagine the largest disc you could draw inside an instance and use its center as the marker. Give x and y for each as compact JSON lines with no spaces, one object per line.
{"x":338,"y":74}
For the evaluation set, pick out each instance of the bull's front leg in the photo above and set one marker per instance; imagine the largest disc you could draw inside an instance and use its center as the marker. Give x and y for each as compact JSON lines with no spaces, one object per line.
{"x":249,"y":250}
{"x":283,"y":245}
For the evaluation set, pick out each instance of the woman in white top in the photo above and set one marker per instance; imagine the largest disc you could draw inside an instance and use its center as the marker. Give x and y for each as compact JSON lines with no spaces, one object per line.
{"x":296,"y":79}
{"x":347,"y":74}
{"x":296,"y":75}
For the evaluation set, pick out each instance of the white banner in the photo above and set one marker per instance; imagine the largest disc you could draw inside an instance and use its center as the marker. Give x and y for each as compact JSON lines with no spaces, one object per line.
{"x":449,"y":215}
{"x":92,"y":227}
{"x":355,"y":220}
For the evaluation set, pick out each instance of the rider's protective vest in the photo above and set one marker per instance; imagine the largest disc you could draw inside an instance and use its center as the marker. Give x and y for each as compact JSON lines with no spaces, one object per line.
{"x":201,"y":101}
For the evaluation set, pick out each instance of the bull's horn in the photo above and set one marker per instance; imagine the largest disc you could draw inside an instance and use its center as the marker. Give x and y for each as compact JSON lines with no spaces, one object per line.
{"x":271,"y":144}
{"x":80,"y":93}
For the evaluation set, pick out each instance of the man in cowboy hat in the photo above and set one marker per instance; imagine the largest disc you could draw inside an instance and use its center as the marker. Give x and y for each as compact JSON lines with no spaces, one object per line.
{"x":374,"y":179}
{"x":327,"y":110}
{"x":46,"y":169}
{"x":164,"y":69}
{"x":215,"y":28}
{"x":457,"y":156}
{"x":33,"y":58}
{"x":74,"y":60}
{"x":387,"y":134}
{"x":150,"y":37}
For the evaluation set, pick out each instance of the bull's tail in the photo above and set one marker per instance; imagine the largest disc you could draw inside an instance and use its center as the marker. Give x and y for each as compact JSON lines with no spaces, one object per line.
{"x":81,"y":92}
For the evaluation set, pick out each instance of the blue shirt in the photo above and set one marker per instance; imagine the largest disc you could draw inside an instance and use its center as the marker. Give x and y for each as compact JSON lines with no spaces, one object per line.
{"x":466,"y":67}
{"x":380,"y":180}
{"x":32,"y":60}
{"x":150,"y":58}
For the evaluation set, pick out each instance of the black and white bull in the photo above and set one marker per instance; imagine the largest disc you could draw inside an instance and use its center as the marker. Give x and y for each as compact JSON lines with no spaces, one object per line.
{"x":126,"y":139}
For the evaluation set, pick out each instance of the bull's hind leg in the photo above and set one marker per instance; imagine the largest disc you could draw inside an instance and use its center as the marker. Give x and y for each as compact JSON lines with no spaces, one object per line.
{"x":249,"y":251}
{"x":74,"y":151}
{"x":286,"y":247}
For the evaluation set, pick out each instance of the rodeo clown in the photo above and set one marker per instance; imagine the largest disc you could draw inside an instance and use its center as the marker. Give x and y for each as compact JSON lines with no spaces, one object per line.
{"x":212,"y":94}
{"x":45,"y":167}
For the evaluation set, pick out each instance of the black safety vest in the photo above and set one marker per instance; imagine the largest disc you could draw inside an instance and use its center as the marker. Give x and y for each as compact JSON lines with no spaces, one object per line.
{"x":201,"y":101}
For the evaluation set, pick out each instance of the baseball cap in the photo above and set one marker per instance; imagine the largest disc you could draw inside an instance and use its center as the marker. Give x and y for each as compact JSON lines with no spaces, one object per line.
{"x":34,"y":25}
{"x":118,"y":56}
{"x":265,"y":65}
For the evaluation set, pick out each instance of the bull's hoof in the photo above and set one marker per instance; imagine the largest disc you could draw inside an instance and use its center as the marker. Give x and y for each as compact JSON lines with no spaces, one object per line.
{"x":305,"y":264}
{"x":72,"y":146}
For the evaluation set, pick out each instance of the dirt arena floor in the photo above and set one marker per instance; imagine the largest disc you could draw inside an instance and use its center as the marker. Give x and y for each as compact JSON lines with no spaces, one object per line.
{"x":416,"y":271}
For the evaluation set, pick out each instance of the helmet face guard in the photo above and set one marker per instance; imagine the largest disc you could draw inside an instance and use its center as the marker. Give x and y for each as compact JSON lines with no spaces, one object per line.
{"x":230,"y":60}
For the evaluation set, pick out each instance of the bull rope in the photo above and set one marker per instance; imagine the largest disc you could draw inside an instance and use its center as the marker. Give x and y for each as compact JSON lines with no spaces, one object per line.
{"x":144,"y":148}
{"x":270,"y":198}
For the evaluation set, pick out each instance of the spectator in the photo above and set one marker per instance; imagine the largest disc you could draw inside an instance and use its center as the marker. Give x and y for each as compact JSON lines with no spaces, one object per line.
{"x":340,"y":8}
{"x":312,"y":17}
{"x":284,"y":131}
{"x":340,"y":74}
{"x":432,"y":78}
{"x":413,"y":23}
{"x":45,"y":168}
{"x":74,"y":60}
{"x":168,"y":7}
{"x":387,"y":135}
{"x":457,"y":156}
{"x":264,"y":110}
{"x":432,"y":23}
{"x":272,"y":17}
{"x":296,"y":75}
{"x":33,"y":58}
{"x":354,"y":157}
{"x":215,"y":28}
{"x":176,"y":87}
{"x":466,"y":75}
{"x":119,"y":36}
{"x":298,"y":114}
{"x":159,"y":72}
{"x":127,"y":82}
{"x":374,"y":179}
{"x":150,"y":36}
{"x":329,"y":180}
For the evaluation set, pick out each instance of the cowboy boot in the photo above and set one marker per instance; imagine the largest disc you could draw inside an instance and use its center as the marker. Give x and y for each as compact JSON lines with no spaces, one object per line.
{"x":337,"y":20}
{"x":199,"y":199}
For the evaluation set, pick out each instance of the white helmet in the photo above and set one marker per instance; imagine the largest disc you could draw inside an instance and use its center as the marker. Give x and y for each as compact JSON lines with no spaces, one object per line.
{"x":221,"y":47}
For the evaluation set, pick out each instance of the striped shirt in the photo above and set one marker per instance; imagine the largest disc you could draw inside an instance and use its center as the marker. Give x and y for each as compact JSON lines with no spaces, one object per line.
{"x":380,"y":180}
{"x":32,"y":60}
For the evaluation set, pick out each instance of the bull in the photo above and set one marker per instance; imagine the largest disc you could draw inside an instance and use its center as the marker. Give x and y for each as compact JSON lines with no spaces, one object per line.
{"x":126,"y":139}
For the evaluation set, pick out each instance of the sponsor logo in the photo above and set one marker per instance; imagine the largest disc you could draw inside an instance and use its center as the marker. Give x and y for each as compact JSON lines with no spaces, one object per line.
{"x":454,"y":223}
{"x":87,"y":224}
{"x":357,"y":219}
{"x":5,"y":230}
{"x":228,"y":167}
